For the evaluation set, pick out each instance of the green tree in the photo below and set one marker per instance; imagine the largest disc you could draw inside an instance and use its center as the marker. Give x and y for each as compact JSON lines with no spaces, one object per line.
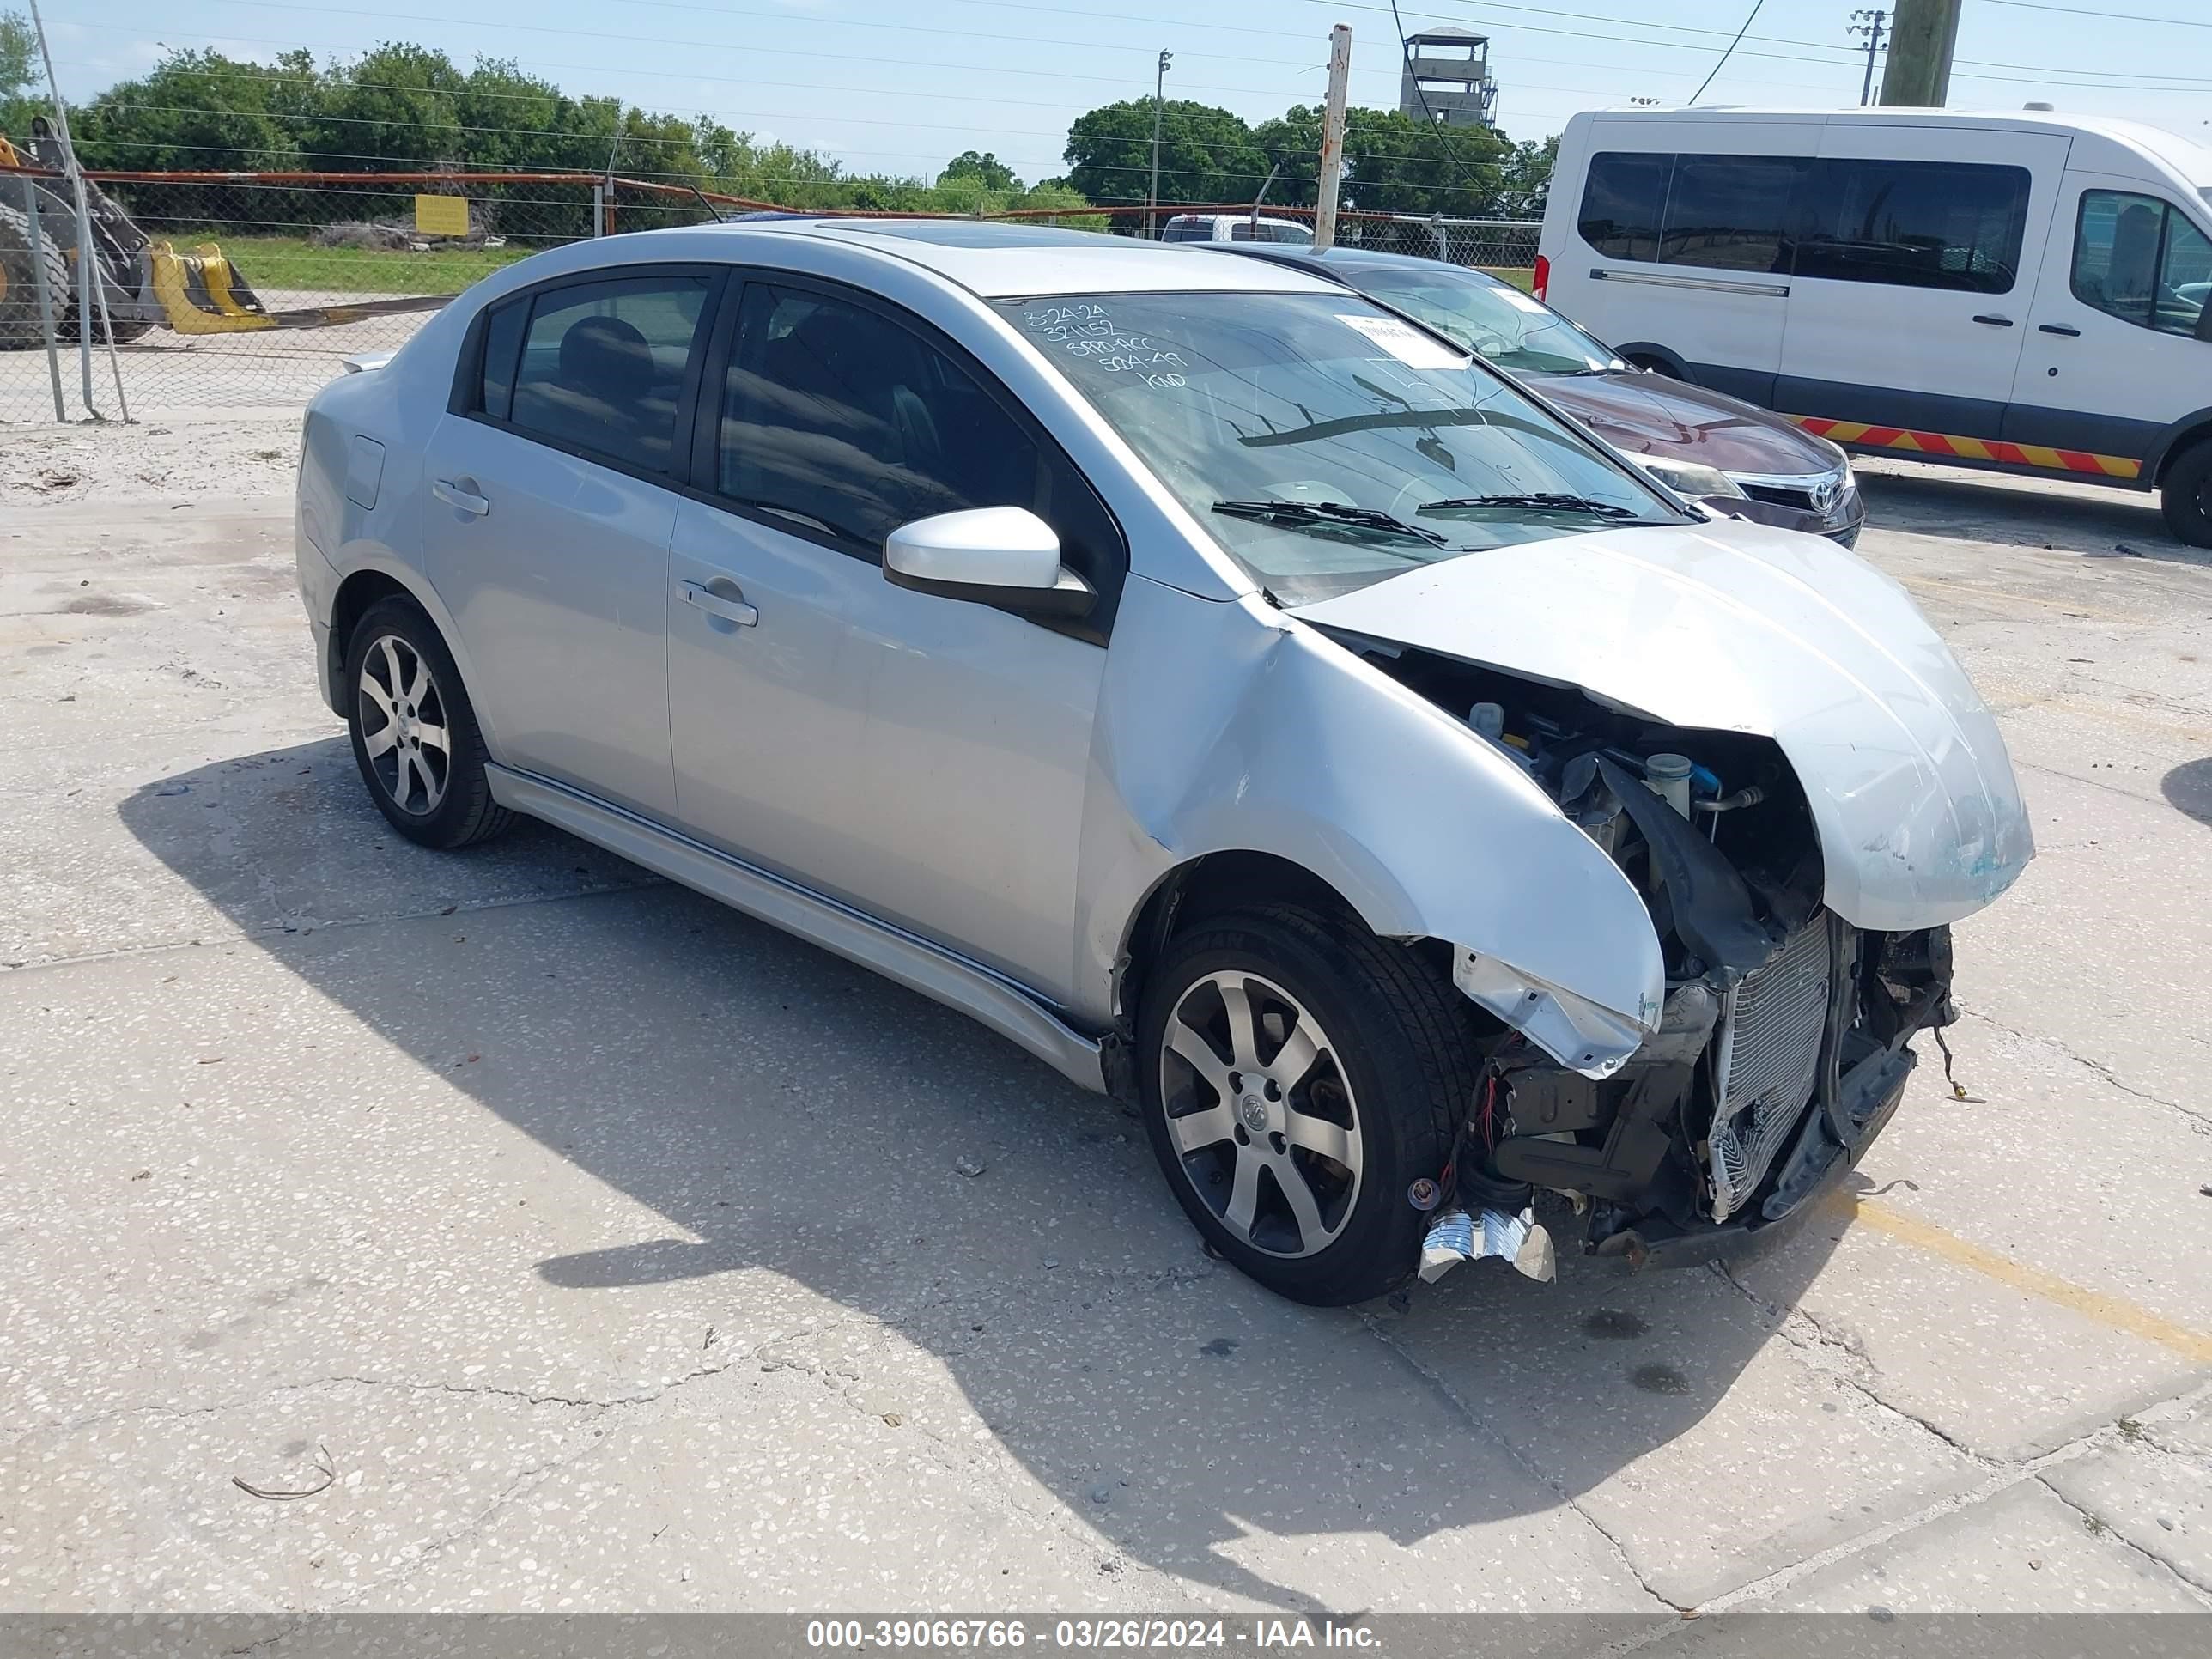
{"x":1206,"y":155}
{"x":985,"y":168}
{"x":1393,"y":163}
{"x":19,"y":72}
{"x":1525,"y":186}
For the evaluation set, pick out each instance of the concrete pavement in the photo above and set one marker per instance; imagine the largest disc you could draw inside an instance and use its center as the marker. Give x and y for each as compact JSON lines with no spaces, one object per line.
{"x":606,"y":1250}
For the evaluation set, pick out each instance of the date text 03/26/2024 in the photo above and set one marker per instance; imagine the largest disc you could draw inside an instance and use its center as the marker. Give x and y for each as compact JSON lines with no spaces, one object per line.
{"x":1250,"y":1635}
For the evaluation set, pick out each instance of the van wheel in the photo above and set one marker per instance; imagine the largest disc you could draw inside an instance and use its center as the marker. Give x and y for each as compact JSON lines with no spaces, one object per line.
{"x":414,"y":736}
{"x":2185,"y":496}
{"x":1297,"y":1075}
{"x":1656,"y":366}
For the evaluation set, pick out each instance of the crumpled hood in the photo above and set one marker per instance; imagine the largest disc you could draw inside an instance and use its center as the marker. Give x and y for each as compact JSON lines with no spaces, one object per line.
{"x":1745,"y":629}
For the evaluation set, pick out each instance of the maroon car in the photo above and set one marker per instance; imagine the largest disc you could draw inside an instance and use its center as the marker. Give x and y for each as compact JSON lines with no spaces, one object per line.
{"x":1698,"y":442}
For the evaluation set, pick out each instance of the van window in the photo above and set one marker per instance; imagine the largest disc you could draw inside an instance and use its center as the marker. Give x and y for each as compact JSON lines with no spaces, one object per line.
{"x":1915,"y":224}
{"x":1731,"y":212}
{"x":1622,"y":201}
{"x":1187,"y":230}
{"x":2137,"y":257}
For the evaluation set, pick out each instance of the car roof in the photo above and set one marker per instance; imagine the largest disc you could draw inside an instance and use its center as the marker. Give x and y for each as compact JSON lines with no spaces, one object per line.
{"x":1002,"y":261}
{"x":1335,"y":259}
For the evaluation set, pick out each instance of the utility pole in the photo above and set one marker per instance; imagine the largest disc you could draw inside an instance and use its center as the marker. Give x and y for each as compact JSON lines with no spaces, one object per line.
{"x":1870,"y":24}
{"x":1332,"y":136}
{"x":1922,"y":35}
{"x":1152,"y":196}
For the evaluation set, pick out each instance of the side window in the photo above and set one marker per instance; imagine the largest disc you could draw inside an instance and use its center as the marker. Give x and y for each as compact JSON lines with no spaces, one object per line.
{"x":1731,"y":212}
{"x":1915,"y":224}
{"x":837,"y":419}
{"x":502,"y":341}
{"x":2184,"y":281}
{"x":1293,"y":234}
{"x":2138,"y":259}
{"x":1622,"y":200}
{"x":1242,"y":231}
{"x":602,"y":366}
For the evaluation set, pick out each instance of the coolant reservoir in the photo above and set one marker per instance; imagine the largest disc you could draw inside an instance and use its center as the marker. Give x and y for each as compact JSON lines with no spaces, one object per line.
{"x":1669,"y":776}
{"x":1488,"y":719}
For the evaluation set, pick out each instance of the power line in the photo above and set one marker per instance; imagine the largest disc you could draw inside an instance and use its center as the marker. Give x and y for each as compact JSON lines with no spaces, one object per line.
{"x":2108,"y":16}
{"x":1725,"y":56}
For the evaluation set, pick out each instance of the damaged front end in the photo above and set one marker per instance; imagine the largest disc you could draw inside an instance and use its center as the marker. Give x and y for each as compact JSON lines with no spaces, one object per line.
{"x":1781,"y":1048}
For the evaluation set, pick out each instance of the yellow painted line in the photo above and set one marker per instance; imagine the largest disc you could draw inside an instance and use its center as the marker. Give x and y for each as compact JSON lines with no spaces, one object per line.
{"x":2113,"y":1312}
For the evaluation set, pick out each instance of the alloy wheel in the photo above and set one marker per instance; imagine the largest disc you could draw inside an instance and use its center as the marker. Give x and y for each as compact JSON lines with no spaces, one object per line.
{"x":404,"y":727}
{"x":1260,"y":1114}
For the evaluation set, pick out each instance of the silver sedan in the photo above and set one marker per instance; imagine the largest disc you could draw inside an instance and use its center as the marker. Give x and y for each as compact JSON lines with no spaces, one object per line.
{"x":1230,"y":691}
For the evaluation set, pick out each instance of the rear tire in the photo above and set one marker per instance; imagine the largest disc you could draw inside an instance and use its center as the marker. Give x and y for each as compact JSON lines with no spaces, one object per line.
{"x":18,"y":276}
{"x":414,"y":735}
{"x":2185,"y":495}
{"x":1291,"y":1132}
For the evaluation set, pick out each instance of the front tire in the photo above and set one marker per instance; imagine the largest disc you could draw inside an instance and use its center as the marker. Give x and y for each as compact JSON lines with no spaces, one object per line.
{"x":1297,"y":1075}
{"x":414,"y":735}
{"x":2185,"y":495}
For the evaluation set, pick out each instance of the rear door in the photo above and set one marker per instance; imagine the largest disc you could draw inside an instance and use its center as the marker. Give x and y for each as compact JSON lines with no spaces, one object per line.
{"x":2120,"y":344}
{"x":1915,"y":274}
{"x":552,"y":484}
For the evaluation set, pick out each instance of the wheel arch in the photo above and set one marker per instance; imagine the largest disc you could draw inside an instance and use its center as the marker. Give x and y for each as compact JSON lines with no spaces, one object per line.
{"x":366,"y":583}
{"x":1644,"y":353}
{"x":1207,"y":885}
{"x":2178,"y":438}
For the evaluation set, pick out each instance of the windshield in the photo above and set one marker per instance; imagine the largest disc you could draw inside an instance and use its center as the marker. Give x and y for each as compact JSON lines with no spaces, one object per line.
{"x":1324,"y":443}
{"x":1502,"y":323}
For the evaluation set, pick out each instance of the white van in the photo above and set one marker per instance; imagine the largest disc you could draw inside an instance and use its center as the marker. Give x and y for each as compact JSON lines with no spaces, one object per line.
{"x":1234,"y":227}
{"x":2022,"y":292}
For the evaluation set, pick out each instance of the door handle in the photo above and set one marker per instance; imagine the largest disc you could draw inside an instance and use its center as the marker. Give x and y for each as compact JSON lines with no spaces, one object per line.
{"x":2067,"y":329}
{"x":453,"y":496}
{"x":716,"y":605}
{"x":1995,"y":322}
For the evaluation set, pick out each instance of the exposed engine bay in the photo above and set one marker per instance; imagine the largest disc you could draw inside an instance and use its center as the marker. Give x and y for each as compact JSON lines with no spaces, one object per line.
{"x":1781,"y":1049}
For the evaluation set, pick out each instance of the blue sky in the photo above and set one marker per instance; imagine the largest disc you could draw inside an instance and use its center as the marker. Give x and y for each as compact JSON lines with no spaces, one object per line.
{"x":896,"y":87}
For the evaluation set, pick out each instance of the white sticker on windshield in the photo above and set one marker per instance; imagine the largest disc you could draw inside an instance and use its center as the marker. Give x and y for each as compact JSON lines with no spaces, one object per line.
{"x":1407,"y":343}
{"x":1514,"y":296}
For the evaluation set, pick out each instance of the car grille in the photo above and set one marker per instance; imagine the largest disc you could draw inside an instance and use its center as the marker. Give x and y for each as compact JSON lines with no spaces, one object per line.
{"x":1769,"y":1052}
{"x":1797,"y":501}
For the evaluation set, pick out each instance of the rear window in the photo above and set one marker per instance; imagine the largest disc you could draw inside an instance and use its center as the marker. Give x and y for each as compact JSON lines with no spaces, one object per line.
{"x":603,"y":365}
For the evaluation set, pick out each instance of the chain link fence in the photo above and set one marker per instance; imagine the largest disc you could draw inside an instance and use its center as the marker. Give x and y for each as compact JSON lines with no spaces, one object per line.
{"x":243,"y":291}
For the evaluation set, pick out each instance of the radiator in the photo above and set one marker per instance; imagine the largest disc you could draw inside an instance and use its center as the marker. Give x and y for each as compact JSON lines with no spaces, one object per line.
{"x":1767,"y":1054}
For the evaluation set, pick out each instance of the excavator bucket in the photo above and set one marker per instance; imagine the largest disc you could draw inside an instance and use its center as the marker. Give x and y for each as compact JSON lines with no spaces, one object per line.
{"x":199,"y":294}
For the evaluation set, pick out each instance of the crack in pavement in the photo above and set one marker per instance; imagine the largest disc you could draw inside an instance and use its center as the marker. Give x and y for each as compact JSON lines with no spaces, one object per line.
{"x":2100,"y":1527}
{"x":2098,"y":1068}
{"x":1467,"y":1414}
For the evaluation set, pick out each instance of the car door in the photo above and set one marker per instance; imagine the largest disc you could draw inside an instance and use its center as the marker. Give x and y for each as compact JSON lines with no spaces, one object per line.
{"x":920,"y":757}
{"x":1914,"y":273}
{"x":1691,"y":251}
{"x":551,"y":504}
{"x":2121,"y":344}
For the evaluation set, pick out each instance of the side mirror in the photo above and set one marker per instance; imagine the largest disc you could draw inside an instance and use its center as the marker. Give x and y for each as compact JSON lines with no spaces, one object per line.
{"x":1004,"y":556}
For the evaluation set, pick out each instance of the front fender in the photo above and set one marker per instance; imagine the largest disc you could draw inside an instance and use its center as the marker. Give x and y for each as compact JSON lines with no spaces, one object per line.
{"x":1237,"y":728}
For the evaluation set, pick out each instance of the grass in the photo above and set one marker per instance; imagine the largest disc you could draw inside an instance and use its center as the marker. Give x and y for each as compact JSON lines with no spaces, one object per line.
{"x":278,"y":264}
{"x":1520,"y":276}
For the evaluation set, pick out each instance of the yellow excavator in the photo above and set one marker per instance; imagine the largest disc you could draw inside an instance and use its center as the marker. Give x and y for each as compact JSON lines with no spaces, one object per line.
{"x":143,"y":283}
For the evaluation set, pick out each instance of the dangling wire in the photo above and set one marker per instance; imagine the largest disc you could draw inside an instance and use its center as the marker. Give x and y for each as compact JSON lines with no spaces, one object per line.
{"x":1732,"y":46}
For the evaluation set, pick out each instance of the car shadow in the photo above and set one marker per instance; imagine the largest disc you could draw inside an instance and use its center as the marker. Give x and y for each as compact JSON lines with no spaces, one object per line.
{"x":782,"y":1109}
{"x":2188,"y":789}
{"x":1969,"y":505}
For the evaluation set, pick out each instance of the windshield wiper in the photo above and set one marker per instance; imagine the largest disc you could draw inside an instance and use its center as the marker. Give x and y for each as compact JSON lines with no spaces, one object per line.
{"x":1538,"y":502}
{"x":1331,"y":513}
